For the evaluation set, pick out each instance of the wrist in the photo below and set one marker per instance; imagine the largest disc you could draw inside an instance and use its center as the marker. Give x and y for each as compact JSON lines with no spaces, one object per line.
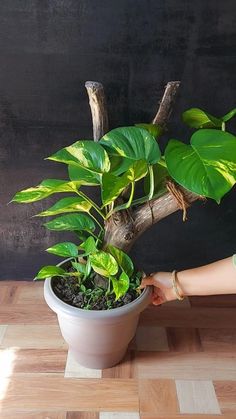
{"x":188,"y":284}
{"x":176,"y":286}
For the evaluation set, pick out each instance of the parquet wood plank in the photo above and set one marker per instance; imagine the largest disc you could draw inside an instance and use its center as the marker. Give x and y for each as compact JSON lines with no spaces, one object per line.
{"x":30,"y":292}
{"x":186,"y":416}
{"x":27,"y":361}
{"x":213,"y":301}
{"x":195,"y":317}
{"x":26,"y":313}
{"x":33,"y":415}
{"x":125,"y":369}
{"x":82,"y":415}
{"x":185,"y":365}
{"x":197,"y":396}
{"x":226,"y":395}
{"x":218,"y":340}
{"x":36,"y":336}
{"x":8,"y":293}
{"x":37,"y":392}
{"x":158,"y":396}
{"x":3,"y":329}
{"x":183,"y":339}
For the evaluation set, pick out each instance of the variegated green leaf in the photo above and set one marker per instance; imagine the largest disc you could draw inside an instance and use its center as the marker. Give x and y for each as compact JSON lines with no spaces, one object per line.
{"x":64,"y":205}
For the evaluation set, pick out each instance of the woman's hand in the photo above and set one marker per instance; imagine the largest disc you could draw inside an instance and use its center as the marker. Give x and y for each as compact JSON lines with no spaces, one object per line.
{"x":162,"y":287}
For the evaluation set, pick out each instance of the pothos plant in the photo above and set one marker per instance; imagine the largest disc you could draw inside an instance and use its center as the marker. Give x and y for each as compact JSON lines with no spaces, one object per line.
{"x":123,"y":158}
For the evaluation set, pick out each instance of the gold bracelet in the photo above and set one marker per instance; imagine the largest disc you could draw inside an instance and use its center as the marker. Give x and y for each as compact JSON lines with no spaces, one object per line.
{"x":174,"y":282}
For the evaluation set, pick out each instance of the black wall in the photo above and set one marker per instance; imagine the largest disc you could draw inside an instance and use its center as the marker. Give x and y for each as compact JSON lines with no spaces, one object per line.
{"x":49,"y":48}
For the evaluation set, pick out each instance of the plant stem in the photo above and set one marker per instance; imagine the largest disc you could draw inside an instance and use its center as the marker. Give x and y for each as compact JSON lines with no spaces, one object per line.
{"x":96,"y":221}
{"x":95,"y":206}
{"x":151,"y":177}
{"x":131,"y":196}
{"x":109,"y":286}
{"x":223,"y":126}
{"x":123,"y":206}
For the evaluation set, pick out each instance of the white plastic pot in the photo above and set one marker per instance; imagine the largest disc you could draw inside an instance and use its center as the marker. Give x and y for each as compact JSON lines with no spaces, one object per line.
{"x":97,"y":338}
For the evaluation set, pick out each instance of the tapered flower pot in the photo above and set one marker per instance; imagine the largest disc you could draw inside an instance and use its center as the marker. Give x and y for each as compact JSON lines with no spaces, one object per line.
{"x":97,"y":338}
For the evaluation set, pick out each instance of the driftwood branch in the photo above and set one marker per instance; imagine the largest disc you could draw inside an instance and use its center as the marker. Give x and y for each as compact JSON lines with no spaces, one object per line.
{"x":98,"y":105}
{"x":167,"y":103}
{"x":124,"y":227}
{"x":123,"y":230}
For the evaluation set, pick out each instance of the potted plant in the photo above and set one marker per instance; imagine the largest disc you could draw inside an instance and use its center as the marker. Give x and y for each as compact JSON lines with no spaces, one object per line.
{"x":95,"y":291}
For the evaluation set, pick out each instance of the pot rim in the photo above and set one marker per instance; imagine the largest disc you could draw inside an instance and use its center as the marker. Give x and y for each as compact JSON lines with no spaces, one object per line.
{"x":57,"y":305}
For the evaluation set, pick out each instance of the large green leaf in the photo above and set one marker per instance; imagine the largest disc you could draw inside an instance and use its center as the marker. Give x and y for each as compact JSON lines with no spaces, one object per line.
{"x":207,"y":166}
{"x":123,"y":260}
{"x":103,"y":263}
{"x":66,"y":249}
{"x":71,"y":222}
{"x":197,"y":118}
{"x":119,"y":165}
{"x":133,"y":143}
{"x":121,"y":285}
{"x":70,"y":204}
{"x":88,"y":156}
{"x":44,"y":190}
{"x":112,"y":185}
{"x":84,"y":176}
{"x":49,"y":271}
{"x":89,"y":246}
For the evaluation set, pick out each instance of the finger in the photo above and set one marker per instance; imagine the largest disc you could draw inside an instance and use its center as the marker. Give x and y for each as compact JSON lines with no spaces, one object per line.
{"x":158,"y":297}
{"x":156,"y":301}
{"x":147,"y":281}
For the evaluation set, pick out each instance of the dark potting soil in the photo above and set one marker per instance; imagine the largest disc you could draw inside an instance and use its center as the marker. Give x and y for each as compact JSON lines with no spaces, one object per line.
{"x":69,"y":291}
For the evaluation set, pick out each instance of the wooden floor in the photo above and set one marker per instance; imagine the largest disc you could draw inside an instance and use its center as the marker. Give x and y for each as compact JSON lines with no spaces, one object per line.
{"x":182,"y":363}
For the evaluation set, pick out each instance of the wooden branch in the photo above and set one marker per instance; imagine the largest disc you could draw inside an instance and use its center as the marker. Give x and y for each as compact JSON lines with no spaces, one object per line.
{"x":124,"y":232}
{"x":97,"y":101}
{"x":166,"y":105}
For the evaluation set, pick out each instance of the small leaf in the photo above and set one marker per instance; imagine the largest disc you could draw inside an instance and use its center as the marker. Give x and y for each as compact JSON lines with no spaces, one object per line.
{"x":112,"y":185}
{"x":229,"y":115}
{"x":197,"y":118}
{"x":88,"y":268}
{"x":71,"y":222}
{"x":120,"y":286}
{"x":154,"y":129}
{"x":89,"y":246}
{"x":133,"y":143}
{"x":80,"y":267}
{"x":66,"y":249}
{"x":123,"y":260}
{"x":137,"y":171}
{"x":64,"y":205}
{"x":49,"y":271}
{"x":103,"y":263}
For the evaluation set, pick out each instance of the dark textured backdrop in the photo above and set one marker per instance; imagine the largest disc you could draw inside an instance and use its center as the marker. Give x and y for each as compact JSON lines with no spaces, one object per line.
{"x":50,"y":48}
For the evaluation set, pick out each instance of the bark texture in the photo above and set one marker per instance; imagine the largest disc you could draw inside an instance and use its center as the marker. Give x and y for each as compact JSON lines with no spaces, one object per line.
{"x":97,"y":101}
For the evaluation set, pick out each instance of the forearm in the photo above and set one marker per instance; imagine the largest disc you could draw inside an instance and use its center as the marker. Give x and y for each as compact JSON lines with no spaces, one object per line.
{"x":216,"y":278}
